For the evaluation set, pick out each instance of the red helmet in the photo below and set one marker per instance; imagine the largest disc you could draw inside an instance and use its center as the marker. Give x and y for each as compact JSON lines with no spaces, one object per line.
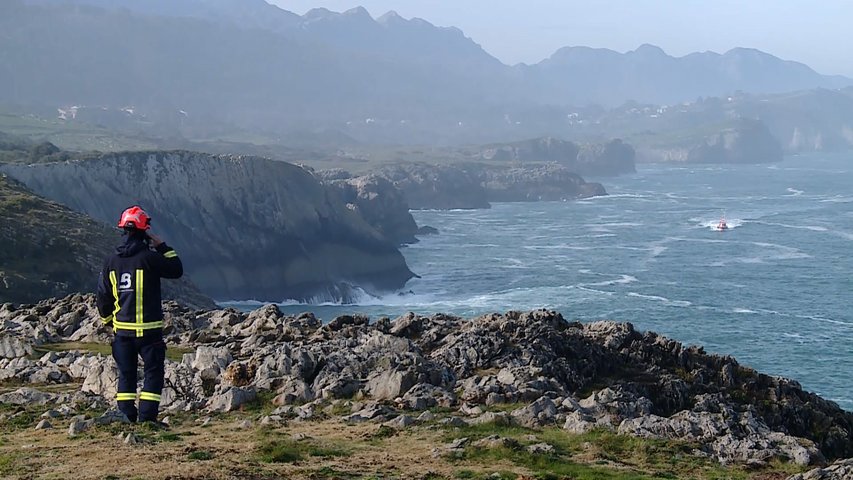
{"x":135,"y":217}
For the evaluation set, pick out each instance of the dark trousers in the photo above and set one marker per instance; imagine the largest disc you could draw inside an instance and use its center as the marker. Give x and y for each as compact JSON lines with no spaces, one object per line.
{"x":126,"y":352}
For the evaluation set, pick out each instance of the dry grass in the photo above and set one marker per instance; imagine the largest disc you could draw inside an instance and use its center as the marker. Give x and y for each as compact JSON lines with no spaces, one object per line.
{"x":328,"y":448}
{"x":222,"y":451}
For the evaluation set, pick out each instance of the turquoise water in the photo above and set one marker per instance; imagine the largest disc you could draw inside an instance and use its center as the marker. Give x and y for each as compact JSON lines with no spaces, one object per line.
{"x":774,"y":291}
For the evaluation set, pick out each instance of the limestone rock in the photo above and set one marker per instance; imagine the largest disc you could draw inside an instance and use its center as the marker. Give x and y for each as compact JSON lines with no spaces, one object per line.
{"x":231,"y":398}
{"x":102,"y":378}
{"x":840,"y":470}
{"x":112,"y":416}
{"x":541,"y":412}
{"x":14,"y":347}
{"x":28,"y":396}
{"x":78,"y":425}
{"x":390,"y":384}
{"x":209,"y":362}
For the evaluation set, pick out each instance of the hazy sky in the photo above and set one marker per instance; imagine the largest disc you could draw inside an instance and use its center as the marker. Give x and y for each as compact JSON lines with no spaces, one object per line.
{"x":817,"y":33}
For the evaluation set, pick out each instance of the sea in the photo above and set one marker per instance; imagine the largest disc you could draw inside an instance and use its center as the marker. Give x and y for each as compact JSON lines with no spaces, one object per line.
{"x":774,"y":290}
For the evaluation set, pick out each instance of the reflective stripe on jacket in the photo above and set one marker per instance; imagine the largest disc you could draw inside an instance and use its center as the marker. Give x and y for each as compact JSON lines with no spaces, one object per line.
{"x":129,"y":288}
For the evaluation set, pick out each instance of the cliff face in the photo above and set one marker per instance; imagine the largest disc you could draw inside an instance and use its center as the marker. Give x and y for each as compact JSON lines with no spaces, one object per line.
{"x":475,"y":185}
{"x":246,"y":228}
{"x":52,"y":251}
{"x":437,"y":186}
{"x":546,"y":182}
{"x":612,"y":158}
{"x":747,"y":142}
{"x":379,"y":203}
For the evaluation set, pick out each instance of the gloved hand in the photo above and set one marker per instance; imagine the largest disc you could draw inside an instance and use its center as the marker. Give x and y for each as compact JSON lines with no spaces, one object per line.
{"x":155,"y":240}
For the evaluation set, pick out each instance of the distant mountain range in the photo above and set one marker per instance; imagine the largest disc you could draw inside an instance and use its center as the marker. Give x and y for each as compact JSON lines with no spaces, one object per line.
{"x":205,"y":66}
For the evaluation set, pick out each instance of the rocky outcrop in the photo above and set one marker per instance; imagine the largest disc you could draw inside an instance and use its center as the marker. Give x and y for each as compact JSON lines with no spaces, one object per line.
{"x":245,"y":227}
{"x":840,"y":470}
{"x":440,"y":187}
{"x":475,"y":185}
{"x":547,"y":182}
{"x":612,"y":158}
{"x":379,"y":203}
{"x":576,"y":376}
{"x":50,"y":250}
{"x":749,"y":141}
{"x":545,"y":149}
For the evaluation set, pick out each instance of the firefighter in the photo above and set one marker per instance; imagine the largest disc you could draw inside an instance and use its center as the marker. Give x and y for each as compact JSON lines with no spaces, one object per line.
{"x":129,"y":300}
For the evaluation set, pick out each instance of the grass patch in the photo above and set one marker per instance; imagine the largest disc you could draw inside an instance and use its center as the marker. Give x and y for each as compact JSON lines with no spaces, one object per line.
{"x":8,"y":464}
{"x":331,"y":472}
{"x":599,"y":454}
{"x":340,"y":409}
{"x":383,"y":432}
{"x":200,"y":455}
{"x":462,"y":474}
{"x":26,"y":419}
{"x":172,"y":353}
{"x":506,"y":407}
{"x":169,"y":437}
{"x":289,"y":451}
{"x":483,"y":430}
{"x":547,"y":466}
{"x":261,"y":404}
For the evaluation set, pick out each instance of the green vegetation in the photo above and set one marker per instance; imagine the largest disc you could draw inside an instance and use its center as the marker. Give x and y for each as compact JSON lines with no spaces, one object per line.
{"x":599,"y":454}
{"x":172,"y":353}
{"x":25,"y":131}
{"x":261,"y":404}
{"x":200,"y":455}
{"x":334,"y":448}
{"x":383,"y":432}
{"x":49,"y":249}
{"x":289,"y":451}
{"x":8,"y":464}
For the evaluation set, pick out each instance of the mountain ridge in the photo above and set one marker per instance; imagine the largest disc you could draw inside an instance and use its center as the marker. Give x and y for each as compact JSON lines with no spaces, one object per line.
{"x":385,"y":80}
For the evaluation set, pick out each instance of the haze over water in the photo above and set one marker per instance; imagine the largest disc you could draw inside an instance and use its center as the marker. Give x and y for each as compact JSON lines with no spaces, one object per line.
{"x":773,"y":291}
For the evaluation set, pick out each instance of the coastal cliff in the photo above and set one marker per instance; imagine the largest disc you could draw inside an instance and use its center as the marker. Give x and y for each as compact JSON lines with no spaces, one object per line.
{"x":749,"y":141}
{"x":474,"y":185}
{"x":377,"y":201}
{"x":601,"y":159}
{"x":246,"y":227}
{"x":533,"y":371}
{"x":51,"y":251}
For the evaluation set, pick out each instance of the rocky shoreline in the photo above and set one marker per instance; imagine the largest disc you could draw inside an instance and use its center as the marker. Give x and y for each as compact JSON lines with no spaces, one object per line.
{"x":544,"y":370}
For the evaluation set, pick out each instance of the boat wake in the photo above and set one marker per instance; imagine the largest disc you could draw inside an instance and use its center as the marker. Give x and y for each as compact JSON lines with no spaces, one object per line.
{"x":730,"y":223}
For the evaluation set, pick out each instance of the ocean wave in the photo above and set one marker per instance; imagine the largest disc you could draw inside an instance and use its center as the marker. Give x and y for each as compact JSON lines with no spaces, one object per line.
{"x":814,"y":228}
{"x":613,"y":224}
{"x":622,"y":280}
{"x":593,"y":290}
{"x":842,"y":234}
{"x":828,"y":320}
{"x":838,"y":199}
{"x":794,"y":192}
{"x":559,"y":246}
{"x":619,"y":195}
{"x":785,"y":252}
{"x":664,"y":300}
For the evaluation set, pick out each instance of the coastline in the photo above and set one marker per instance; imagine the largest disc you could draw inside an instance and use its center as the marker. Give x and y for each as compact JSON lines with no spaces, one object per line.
{"x":532,"y":371}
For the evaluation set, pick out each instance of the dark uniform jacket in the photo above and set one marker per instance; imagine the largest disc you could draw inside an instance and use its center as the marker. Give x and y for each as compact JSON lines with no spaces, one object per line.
{"x":129,"y":286}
